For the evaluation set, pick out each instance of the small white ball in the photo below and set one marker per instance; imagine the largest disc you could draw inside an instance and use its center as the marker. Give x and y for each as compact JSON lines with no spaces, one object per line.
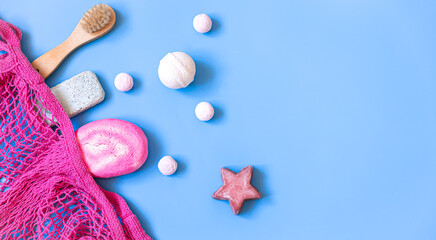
{"x":204,"y":111}
{"x":123,"y":82}
{"x":202,"y":23}
{"x":176,"y":70}
{"x":167,"y":165}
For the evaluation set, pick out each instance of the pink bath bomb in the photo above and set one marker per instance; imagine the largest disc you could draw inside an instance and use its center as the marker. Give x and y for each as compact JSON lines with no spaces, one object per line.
{"x":123,"y":82}
{"x":112,"y":147}
{"x":202,"y":23}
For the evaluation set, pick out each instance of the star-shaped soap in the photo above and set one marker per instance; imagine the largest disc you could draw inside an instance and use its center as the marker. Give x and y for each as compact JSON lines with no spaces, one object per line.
{"x":237,"y":188}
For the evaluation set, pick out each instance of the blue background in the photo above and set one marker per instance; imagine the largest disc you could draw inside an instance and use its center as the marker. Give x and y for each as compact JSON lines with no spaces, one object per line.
{"x":333,"y":103}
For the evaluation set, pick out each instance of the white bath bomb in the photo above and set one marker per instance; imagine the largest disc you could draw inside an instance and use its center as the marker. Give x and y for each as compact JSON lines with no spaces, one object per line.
{"x":176,"y":70}
{"x":123,"y":82}
{"x":204,"y":111}
{"x":167,"y":165}
{"x":202,"y":23}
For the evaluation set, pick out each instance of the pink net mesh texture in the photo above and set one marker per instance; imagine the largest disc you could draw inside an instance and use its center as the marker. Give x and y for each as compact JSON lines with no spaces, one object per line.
{"x":45,"y":190}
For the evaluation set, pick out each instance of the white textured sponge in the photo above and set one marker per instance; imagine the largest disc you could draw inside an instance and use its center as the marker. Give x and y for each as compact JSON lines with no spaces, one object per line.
{"x":176,"y":70}
{"x":79,"y":93}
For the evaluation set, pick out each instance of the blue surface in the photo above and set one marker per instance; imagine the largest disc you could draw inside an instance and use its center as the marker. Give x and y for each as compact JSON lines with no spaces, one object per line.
{"x":333,"y":102}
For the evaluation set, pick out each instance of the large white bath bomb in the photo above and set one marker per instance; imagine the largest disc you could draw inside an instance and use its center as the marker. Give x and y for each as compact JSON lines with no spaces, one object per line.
{"x":112,"y":147}
{"x":176,"y":70}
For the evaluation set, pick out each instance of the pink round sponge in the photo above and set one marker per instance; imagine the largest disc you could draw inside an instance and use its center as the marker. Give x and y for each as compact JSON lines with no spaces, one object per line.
{"x":123,"y":82}
{"x":202,"y":23}
{"x":112,"y":147}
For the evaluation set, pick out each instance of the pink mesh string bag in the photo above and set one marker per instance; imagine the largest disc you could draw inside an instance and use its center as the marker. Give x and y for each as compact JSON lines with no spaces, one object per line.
{"x":46,"y":192}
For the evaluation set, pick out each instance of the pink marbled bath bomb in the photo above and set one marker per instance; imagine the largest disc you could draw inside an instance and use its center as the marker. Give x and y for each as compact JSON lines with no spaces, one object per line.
{"x":123,"y":82}
{"x":112,"y":147}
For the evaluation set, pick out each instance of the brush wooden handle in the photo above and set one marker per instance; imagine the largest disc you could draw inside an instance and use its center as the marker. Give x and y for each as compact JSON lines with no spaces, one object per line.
{"x":50,"y":61}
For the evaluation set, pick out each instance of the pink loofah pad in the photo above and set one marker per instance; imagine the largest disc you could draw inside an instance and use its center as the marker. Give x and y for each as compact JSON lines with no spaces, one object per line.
{"x":112,"y":147}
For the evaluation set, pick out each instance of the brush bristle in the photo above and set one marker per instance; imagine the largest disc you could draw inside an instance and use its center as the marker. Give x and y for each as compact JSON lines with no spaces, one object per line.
{"x":96,"y":18}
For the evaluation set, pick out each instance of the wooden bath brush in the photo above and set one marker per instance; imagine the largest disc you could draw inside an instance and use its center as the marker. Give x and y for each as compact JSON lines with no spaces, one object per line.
{"x":95,"y":23}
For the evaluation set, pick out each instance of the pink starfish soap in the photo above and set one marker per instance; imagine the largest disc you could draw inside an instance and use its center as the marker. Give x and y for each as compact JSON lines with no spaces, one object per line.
{"x":237,"y":188}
